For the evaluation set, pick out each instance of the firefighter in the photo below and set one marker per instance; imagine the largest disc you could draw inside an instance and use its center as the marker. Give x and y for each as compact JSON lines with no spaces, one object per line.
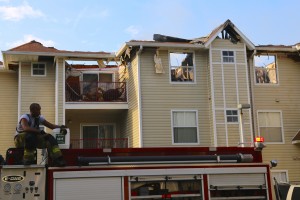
{"x":29,"y":136}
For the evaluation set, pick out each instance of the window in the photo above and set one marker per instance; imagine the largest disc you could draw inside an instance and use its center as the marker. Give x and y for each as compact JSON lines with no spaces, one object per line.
{"x":185,"y":129}
{"x":232,"y":115}
{"x":93,"y":82}
{"x":38,"y":69}
{"x":265,"y":69}
{"x":182,"y":67}
{"x":98,"y":136}
{"x":270,"y":126}
{"x":280,"y":176}
{"x":228,"y":56}
{"x":166,"y":187}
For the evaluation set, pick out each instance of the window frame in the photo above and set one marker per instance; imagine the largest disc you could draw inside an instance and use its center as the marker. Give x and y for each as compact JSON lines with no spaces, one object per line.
{"x":237,"y":116}
{"x":98,"y":84}
{"x":277,"y":72}
{"x":39,"y":63}
{"x":279,"y":172}
{"x":281,"y":123}
{"x":197,"y":128}
{"x":166,"y":181}
{"x":98,"y":125}
{"x":170,"y":67}
{"x":228,"y":56}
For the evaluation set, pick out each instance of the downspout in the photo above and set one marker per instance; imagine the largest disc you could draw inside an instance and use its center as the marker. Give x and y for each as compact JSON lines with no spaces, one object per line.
{"x":19,"y":90}
{"x":140,"y":97}
{"x":250,"y":65}
{"x":56,"y":91}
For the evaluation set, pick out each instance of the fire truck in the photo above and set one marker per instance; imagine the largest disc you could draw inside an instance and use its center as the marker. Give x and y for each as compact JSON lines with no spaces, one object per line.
{"x":178,"y":173}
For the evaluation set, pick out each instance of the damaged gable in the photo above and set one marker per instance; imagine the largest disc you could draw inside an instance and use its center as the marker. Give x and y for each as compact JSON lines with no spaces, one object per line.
{"x":226,"y":31}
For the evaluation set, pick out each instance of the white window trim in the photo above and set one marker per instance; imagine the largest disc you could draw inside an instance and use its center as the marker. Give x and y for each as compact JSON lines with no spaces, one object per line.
{"x":96,"y":124}
{"x":197,"y":126}
{"x":281,"y":120}
{"x":277,"y":74}
{"x":279,"y":171}
{"x":36,"y":74}
{"x":194,"y":66}
{"x":97,"y":72}
{"x":229,"y":109}
{"x":234,"y":56}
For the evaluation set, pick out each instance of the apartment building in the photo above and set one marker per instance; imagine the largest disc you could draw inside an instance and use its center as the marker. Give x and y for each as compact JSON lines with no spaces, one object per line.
{"x":217,"y":90}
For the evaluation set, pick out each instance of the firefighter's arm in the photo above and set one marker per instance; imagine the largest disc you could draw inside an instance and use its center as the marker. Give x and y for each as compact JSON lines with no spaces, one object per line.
{"x":27,"y":128}
{"x":53,"y":126}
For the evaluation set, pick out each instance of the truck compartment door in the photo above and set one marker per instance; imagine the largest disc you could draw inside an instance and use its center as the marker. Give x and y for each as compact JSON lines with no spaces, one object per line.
{"x":91,"y":188}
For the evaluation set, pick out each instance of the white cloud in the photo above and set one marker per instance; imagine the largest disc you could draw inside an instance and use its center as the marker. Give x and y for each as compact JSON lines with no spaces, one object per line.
{"x":132,"y":30}
{"x":28,"y":38}
{"x":11,"y":13}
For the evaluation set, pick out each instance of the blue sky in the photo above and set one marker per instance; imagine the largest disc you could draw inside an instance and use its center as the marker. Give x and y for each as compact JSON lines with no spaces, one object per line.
{"x":104,"y":25}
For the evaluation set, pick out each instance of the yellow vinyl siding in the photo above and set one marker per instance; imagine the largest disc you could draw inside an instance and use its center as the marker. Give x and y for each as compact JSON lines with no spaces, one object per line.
{"x":230,"y":87}
{"x":38,"y":89}
{"x":132,"y":115}
{"x":160,"y":96}
{"x":218,"y":86}
{"x":233,"y":134}
{"x":60,"y":118}
{"x":226,"y":45}
{"x":221,"y":136}
{"x":283,"y":97}
{"x":220,"y":117}
{"x":9,"y":109}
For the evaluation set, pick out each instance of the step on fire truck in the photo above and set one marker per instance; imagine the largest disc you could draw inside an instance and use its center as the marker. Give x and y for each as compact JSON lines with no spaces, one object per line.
{"x":181,"y":173}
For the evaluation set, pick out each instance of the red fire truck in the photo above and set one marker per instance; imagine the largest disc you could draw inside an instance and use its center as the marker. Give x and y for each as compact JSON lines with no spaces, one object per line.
{"x":181,"y":173}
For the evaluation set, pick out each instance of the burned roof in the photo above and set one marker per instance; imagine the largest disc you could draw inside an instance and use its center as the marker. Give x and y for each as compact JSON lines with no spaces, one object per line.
{"x":227,"y":31}
{"x":35,"y":46}
{"x":165,"y":38}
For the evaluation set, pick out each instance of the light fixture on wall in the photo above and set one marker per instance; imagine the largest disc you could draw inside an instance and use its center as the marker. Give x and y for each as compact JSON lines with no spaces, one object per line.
{"x":273,"y":163}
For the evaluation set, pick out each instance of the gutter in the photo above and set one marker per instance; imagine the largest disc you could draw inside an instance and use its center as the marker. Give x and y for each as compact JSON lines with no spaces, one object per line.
{"x":277,"y":49}
{"x":73,"y":54}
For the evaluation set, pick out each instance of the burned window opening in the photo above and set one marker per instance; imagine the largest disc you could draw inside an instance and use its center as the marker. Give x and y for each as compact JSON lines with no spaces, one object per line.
{"x":182,"y":66}
{"x":228,"y":33}
{"x":265,"y":69}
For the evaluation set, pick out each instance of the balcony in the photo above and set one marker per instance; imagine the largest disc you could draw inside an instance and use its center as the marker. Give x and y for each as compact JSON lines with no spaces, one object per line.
{"x":91,"y":92}
{"x":95,"y":143}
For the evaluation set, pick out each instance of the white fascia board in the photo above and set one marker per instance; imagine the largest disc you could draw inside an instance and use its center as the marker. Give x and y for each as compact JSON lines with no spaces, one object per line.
{"x":208,"y":43}
{"x":159,"y":44}
{"x":81,"y":55}
{"x":248,"y":43}
{"x":282,"y":49}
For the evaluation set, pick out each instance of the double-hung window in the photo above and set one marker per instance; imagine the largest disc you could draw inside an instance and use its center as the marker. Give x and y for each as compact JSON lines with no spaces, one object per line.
{"x":270,"y":126}
{"x":232,"y":116}
{"x":228,"y":56}
{"x":38,"y":69}
{"x":182,"y":67}
{"x":185,"y":127}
